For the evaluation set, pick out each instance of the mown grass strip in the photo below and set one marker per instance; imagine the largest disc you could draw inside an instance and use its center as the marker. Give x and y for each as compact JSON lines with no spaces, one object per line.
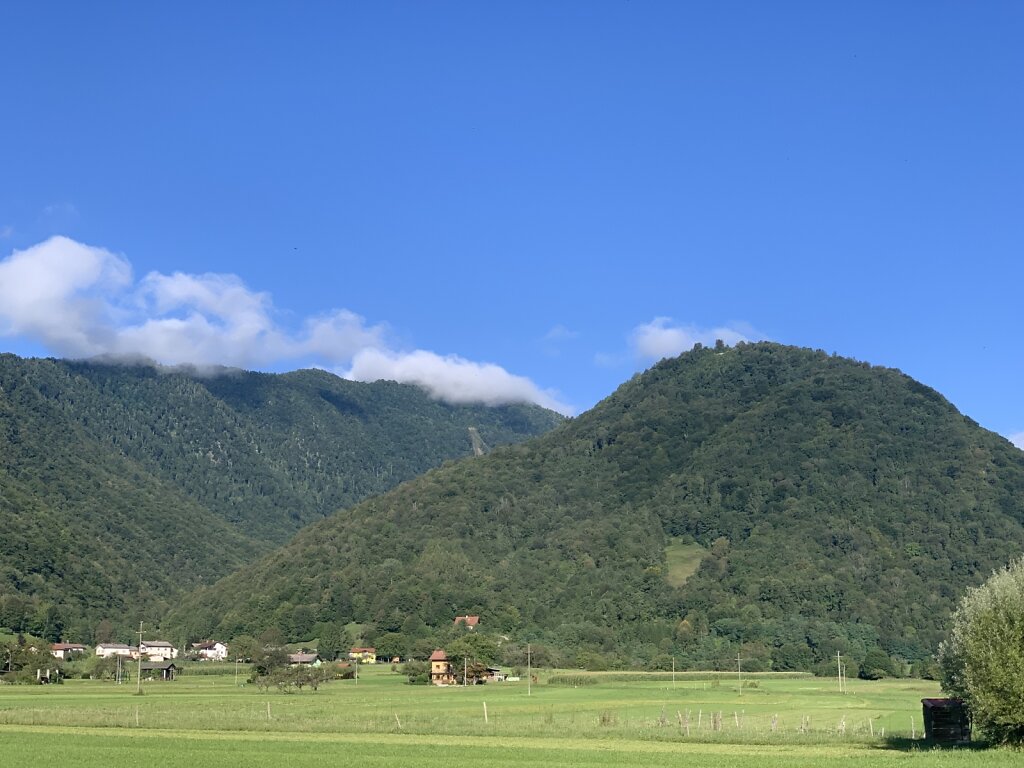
{"x":32,"y":746}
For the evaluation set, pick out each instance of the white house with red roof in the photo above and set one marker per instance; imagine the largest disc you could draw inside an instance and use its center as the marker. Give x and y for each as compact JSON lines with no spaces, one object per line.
{"x":64,"y":650}
{"x":210,"y":650}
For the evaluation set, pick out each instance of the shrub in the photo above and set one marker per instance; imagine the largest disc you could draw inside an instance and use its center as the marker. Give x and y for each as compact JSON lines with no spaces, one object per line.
{"x":982,"y":661}
{"x":418,"y":672}
{"x":876,"y":665}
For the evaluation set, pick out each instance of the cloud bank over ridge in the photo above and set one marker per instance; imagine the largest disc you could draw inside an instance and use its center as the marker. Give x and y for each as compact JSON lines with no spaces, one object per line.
{"x":662,"y":338}
{"x":83,"y":301}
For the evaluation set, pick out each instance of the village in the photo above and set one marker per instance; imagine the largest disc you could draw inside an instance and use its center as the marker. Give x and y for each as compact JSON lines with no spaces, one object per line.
{"x":162,"y":660}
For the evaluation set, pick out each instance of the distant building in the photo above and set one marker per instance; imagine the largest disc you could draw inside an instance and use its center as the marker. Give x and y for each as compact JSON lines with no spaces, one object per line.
{"x":106,"y":650}
{"x":469,"y":621}
{"x":164,"y":670}
{"x":64,"y":650}
{"x":210,"y":650}
{"x":441,"y":669}
{"x":304,"y":659}
{"x":363,"y":655}
{"x":158,"y":650}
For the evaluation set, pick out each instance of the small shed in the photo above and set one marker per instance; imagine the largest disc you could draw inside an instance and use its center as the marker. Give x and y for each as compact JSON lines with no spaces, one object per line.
{"x":946,"y":721}
{"x":165,"y":669}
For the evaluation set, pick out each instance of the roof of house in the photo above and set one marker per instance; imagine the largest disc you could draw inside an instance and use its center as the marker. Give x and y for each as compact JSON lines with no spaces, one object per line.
{"x":469,"y":621}
{"x":207,"y":645}
{"x":439,"y":655}
{"x":157,"y":644}
{"x":114,"y":645}
{"x":302,"y":658}
{"x":68,"y":647}
{"x":158,"y":665}
{"x":363,"y":650}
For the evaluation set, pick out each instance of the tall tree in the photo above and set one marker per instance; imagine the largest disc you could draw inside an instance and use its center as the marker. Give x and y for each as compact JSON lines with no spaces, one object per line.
{"x":983,"y":659}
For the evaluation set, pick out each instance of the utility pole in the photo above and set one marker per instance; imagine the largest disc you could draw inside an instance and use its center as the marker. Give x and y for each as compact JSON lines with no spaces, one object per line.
{"x":739,"y":672}
{"x":465,"y":669}
{"x":138,"y":679}
{"x":673,"y":671}
{"x":839,"y":670}
{"x":529,"y":672}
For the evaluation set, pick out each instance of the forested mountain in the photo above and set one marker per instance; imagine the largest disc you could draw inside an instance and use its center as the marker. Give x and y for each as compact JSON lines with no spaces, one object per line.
{"x":121,"y":486}
{"x":827,"y":505}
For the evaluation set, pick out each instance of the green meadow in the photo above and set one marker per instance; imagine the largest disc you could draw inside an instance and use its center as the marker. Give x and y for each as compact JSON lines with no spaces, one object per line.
{"x":592,"y":719}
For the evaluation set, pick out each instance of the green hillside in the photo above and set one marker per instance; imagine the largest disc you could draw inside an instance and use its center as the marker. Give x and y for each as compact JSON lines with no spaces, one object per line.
{"x":842,"y":508}
{"x":121,"y":486}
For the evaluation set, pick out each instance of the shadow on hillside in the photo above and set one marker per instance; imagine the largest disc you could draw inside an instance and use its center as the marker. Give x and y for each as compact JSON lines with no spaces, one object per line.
{"x":903,"y":744}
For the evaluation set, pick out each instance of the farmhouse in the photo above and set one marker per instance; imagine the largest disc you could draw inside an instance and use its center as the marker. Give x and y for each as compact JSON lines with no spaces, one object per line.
{"x":363,"y":655}
{"x":304,"y":659}
{"x":210,"y":650}
{"x":65,"y":650}
{"x":158,"y":650}
{"x":106,"y":650}
{"x":441,"y":669}
{"x":469,"y":622}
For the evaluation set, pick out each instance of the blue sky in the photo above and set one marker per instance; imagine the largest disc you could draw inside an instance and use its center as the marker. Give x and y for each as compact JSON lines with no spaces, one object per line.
{"x":517,"y":200}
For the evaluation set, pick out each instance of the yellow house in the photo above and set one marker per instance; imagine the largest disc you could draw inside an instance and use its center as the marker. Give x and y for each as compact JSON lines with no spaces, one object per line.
{"x":363,"y":655}
{"x":441,"y":669}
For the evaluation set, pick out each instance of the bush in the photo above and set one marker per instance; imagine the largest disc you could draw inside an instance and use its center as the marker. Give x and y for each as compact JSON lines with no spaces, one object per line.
{"x":876,"y":665}
{"x":982,"y":662}
{"x":418,"y":672}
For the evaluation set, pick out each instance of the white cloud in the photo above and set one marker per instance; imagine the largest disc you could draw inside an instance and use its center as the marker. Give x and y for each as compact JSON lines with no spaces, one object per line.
{"x":57,"y":292}
{"x":82,"y":301}
{"x":1017,"y":439}
{"x":661,"y":338}
{"x":560,"y":333}
{"x":451,"y":378}
{"x":340,"y":334}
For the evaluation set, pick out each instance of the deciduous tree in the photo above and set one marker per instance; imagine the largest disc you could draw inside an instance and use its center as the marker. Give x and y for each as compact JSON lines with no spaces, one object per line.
{"x":983,"y":659}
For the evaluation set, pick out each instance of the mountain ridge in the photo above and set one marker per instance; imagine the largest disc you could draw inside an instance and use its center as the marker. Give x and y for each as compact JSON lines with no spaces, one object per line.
{"x":842,"y":508}
{"x":120,"y":486}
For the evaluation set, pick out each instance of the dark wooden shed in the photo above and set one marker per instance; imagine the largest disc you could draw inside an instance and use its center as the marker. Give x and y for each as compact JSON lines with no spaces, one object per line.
{"x":165,"y":669}
{"x":946,"y":721}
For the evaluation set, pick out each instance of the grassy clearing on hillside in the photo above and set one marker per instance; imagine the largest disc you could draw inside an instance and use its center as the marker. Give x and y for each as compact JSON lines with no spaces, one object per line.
{"x":208,"y":721}
{"x":682,"y":561}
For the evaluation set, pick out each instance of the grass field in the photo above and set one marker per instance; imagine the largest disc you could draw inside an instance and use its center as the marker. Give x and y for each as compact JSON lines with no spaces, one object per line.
{"x":682,"y":561}
{"x":199,"y":721}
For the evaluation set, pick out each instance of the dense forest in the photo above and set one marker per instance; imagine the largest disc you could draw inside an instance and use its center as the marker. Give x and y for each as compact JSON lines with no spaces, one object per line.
{"x":121,"y":486}
{"x":826,"y":505}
